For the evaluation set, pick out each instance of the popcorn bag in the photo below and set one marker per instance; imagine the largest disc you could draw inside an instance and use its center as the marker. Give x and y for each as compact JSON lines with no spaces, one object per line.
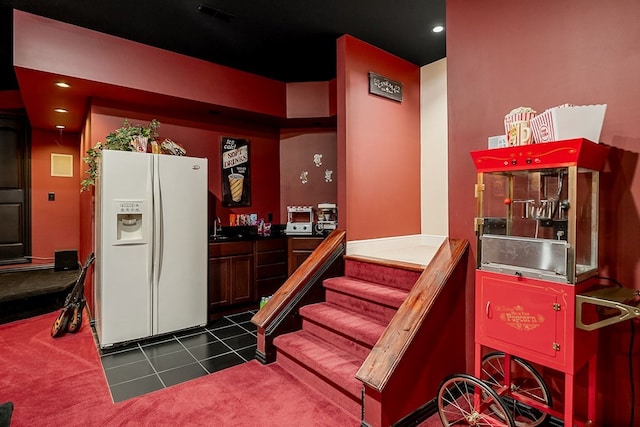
{"x":520,"y":114}
{"x":569,"y":122}
{"x":139,"y":144}
{"x":516,"y":126}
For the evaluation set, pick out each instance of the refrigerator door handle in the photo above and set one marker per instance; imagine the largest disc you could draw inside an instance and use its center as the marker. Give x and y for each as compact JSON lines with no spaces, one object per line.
{"x":157,"y":225}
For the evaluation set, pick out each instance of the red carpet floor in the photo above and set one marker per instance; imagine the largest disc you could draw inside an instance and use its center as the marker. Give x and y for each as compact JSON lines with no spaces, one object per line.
{"x":60,"y":382}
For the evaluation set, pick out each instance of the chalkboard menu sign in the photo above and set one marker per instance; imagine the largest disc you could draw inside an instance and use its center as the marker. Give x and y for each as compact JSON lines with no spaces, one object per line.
{"x":236,"y":172}
{"x":382,"y":86}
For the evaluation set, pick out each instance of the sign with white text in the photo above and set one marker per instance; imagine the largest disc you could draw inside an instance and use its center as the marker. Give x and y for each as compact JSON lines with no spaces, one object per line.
{"x":236,"y":179}
{"x":387,"y":88}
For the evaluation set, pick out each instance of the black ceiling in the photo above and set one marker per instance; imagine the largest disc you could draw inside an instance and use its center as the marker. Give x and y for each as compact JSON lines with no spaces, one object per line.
{"x":287,"y":40}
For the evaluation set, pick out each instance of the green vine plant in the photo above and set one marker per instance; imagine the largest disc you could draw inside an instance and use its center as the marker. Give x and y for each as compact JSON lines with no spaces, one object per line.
{"x":121,"y":139}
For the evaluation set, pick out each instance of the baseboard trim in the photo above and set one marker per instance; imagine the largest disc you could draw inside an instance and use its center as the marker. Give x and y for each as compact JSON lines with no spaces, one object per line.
{"x":414,"y":418}
{"x":261,"y":357}
{"x":419,"y":415}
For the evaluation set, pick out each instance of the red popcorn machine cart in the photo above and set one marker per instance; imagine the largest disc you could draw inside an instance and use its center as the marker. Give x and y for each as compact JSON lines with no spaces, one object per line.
{"x":537,"y":266}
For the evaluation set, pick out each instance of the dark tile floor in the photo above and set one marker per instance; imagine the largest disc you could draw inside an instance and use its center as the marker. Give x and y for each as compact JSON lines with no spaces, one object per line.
{"x":150,"y":365}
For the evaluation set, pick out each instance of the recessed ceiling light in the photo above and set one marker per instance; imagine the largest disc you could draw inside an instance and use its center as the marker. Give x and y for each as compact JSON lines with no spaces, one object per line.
{"x":61,"y":110}
{"x":59,"y":126}
{"x":438,"y":29}
{"x":62,"y":84}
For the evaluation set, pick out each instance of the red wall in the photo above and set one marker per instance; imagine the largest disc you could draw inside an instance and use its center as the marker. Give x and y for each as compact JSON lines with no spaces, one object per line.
{"x":540,"y":54}
{"x":203,"y":140}
{"x":296,"y":155}
{"x":310,"y":99}
{"x":54,"y":224}
{"x":378,"y":145}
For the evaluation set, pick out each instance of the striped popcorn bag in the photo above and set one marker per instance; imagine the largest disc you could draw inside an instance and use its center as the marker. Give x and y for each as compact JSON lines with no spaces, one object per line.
{"x":569,"y":121}
{"x":520,"y":114}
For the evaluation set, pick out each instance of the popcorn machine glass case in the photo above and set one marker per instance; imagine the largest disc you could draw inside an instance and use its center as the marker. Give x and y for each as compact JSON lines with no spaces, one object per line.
{"x":538,"y":209}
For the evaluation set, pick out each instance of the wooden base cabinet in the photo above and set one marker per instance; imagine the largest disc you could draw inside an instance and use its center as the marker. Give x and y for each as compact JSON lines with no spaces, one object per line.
{"x":271,"y":265}
{"x":230,"y":275}
{"x":299,"y":249}
{"x":230,"y":280}
{"x":242,"y":272}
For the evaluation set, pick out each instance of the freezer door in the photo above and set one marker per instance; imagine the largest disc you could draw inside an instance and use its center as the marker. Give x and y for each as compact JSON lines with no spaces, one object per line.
{"x":123,"y":249}
{"x":180,"y":258}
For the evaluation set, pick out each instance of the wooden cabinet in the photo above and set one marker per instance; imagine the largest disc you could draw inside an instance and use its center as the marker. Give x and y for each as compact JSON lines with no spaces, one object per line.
{"x":299,"y":248}
{"x":270,"y":265}
{"x":230,"y":274}
{"x":242,"y":272}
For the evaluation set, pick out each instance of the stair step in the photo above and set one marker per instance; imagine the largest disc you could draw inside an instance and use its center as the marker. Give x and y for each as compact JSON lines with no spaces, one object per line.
{"x":397,"y":277}
{"x":361,"y":329}
{"x":375,"y":292}
{"x":374,"y":300}
{"x":320,"y":363}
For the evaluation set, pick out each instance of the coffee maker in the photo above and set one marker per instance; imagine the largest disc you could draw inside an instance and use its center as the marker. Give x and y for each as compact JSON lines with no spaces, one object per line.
{"x":327,"y":218}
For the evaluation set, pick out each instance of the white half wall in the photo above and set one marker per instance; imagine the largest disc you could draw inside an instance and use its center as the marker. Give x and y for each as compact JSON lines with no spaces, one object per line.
{"x":434,"y":141}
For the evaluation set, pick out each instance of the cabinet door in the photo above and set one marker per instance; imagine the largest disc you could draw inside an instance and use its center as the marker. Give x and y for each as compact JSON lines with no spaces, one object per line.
{"x":219,"y":275}
{"x":267,"y":287}
{"x":299,"y":250}
{"x":241,"y":281}
{"x":521,"y":316}
{"x":296,"y":259}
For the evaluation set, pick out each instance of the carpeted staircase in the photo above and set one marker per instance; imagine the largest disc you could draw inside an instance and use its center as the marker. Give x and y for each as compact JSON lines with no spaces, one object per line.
{"x":338,"y":334}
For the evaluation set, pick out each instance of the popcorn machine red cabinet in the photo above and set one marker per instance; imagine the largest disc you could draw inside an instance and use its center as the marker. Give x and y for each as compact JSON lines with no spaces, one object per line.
{"x":537,"y":249}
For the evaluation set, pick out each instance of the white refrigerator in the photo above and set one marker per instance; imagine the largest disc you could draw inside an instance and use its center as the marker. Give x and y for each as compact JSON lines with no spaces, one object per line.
{"x":151,"y":245}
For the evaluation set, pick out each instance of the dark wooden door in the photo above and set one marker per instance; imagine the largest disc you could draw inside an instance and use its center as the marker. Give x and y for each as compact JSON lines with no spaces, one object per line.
{"x":15,"y":211}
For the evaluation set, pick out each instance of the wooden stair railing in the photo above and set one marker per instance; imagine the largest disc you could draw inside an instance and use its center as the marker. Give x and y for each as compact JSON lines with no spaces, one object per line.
{"x":280,"y":314}
{"x":427,"y":300}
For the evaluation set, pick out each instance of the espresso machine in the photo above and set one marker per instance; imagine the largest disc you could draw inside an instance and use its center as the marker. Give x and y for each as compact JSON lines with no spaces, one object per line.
{"x":327,"y":218}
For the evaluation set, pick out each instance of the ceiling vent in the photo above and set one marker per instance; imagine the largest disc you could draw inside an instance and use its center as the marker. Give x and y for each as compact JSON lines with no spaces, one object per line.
{"x":215,"y":12}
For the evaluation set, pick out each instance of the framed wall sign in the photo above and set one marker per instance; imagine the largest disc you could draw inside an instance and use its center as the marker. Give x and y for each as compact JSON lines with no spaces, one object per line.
{"x":382,"y":86}
{"x":236,"y":172}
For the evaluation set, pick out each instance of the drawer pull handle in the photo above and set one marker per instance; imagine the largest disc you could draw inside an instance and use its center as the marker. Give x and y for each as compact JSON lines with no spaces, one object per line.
{"x":486,"y":310}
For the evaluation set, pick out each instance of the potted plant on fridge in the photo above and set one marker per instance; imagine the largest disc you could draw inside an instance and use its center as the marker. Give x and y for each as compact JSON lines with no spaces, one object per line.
{"x":128,"y":138}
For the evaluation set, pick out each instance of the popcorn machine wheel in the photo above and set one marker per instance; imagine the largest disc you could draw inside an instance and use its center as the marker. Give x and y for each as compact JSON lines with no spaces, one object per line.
{"x":538,"y":301}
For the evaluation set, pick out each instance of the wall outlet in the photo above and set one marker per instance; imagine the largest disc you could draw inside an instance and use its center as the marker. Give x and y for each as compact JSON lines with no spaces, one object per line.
{"x":52,"y":197}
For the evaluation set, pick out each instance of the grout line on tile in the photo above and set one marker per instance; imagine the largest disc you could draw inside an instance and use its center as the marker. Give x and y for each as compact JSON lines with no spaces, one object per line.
{"x":131,"y":380}
{"x":195,"y":358}
{"x":152,"y":367}
{"x":140,"y":346}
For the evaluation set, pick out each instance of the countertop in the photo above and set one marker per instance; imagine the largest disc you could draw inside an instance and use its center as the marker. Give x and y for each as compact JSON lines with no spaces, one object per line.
{"x":248,"y":233}
{"x":241,"y":238}
{"x":242,"y":233}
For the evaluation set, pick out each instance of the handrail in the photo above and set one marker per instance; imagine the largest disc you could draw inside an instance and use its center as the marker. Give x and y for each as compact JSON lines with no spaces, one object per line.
{"x":379,"y":366}
{"x":296,"y":281}
{"x":279,"y":314}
